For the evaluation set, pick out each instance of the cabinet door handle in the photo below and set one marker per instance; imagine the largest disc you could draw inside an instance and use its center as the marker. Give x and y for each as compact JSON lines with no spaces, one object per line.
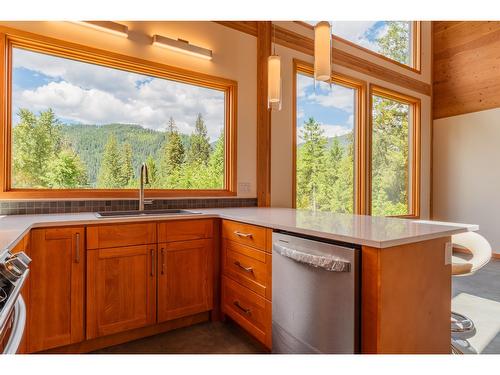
{"x":245,"y":311}
{"x":152,"y":262}
{"x":244,"y":235}
{"x":246,"y":269}
{"x":77,"y":248}
{"x":162,"y":261}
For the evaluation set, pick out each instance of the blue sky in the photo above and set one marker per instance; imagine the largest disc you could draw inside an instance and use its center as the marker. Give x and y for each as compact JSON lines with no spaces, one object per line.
{"x":331,"y":106}
{"x":90,"y":94}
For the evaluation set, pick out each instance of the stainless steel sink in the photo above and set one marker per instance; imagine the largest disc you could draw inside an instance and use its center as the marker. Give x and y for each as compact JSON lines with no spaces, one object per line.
{"x":135,"y":213}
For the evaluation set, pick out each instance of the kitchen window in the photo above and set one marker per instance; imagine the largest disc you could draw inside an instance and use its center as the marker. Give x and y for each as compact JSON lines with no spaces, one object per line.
{"x":395,"y":153}
{"x":81,"y":123}
{"x":349,"y":160}
{"x":327,"y":122}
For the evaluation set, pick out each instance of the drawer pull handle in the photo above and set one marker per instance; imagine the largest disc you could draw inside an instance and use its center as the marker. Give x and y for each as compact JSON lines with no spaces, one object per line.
{"x":244,"y":235}
{"x":245,"y":311}
{"x":246,"y":269}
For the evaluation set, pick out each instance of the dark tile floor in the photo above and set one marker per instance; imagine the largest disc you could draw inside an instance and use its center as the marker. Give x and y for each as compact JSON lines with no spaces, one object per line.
{"x":203,"y":338}
{"x":478,"y":297}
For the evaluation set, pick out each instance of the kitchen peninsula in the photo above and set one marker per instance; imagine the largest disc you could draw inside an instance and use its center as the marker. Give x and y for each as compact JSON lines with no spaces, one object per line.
{"x":405,"y":274}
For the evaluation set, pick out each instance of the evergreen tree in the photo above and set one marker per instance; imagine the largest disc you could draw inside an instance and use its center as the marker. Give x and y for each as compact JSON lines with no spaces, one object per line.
{"x":153,"y":173}
{"x":311,"y":165}
{"x":199,"y":145}
{"x":110,"y":171}
{"x":66,"y":171}
{"x":396,"y":42}
{"x":216,"y":164}
{"x":126,"y":169}
{"x":172,"y":157}
{"x":36,"y":141}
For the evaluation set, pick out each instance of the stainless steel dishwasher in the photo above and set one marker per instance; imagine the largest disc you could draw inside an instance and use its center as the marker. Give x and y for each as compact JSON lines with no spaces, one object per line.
{"x":315,"y":295}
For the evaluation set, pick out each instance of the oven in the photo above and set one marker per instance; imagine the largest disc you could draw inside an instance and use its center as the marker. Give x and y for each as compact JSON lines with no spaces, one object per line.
{"x":14,"y":269}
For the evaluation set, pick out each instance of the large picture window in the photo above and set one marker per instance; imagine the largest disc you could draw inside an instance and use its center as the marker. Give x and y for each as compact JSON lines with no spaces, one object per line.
{"x":76,"y":124}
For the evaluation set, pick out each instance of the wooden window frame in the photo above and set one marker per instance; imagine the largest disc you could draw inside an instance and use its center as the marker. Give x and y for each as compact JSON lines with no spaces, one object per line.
{"x":360,"y":159}
{"x":415,"y":146}
{"x":416,"y":42}
{"x":10,"y":38}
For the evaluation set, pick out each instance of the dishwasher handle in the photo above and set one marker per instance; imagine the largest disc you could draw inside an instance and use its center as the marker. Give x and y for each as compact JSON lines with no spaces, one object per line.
{"x":326,"y":262}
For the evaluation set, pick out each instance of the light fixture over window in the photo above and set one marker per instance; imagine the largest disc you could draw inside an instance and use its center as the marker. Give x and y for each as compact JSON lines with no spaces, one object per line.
{"x":322,"y":51}
{"x":182,"y":46}
{"x":110,"y":27}
{"x":274,"y":80}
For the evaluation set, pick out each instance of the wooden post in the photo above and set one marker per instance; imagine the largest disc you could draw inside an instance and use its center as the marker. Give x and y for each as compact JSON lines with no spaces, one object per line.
{"x":263,"y":116}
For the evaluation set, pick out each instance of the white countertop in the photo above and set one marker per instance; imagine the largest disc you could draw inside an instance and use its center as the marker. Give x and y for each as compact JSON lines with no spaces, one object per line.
{"x":380,"y":232}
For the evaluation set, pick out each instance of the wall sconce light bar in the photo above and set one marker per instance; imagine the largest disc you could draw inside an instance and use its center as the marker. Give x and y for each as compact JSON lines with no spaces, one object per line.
{"x":114,"y":28}
{"x":182,"y":46}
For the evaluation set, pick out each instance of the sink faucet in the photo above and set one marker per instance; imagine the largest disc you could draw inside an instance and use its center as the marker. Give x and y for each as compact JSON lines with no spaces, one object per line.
{"x":144,"y":180}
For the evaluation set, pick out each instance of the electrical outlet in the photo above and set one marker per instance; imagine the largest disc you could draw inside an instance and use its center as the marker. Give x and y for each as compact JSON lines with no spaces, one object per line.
{"x":244,"y":187}
{"x":448,"y":249}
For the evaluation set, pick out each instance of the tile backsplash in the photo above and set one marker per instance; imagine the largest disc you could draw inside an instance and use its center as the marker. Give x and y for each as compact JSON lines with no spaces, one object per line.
{"x":55,"y":207}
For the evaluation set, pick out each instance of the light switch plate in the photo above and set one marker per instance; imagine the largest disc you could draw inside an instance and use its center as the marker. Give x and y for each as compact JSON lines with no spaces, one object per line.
{"x":448,"y":248}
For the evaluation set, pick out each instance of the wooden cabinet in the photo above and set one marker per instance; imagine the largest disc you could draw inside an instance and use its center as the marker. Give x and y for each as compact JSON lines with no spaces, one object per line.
{"x":248,"y":266}
{"x":248,"y":309}
{"x":121,"y":289}
{"x":247,"y":277}
{"x":185,"y":278}
{"x":246,"y":234}
{"x":117,"y":235}
{"x":56,"y":297}
{"x":185,"y":230}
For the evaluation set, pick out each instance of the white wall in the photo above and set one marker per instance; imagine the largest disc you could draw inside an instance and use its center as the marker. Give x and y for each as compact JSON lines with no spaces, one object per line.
{"x":235,"y":57}
{"x":282,"y":121}
{"x":466,"y":173}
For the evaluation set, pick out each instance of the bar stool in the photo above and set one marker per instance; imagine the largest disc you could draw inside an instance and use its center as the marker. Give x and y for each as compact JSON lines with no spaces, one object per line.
{"x":471,"y":252}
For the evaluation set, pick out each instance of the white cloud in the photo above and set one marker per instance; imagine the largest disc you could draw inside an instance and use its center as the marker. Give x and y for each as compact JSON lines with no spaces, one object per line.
{"x":338,"y":97}
{"x":331,"y":131}
{"x":92,"y":94}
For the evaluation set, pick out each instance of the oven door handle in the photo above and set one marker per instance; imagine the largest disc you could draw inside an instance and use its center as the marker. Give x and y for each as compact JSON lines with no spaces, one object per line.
{"x":18,"y":325}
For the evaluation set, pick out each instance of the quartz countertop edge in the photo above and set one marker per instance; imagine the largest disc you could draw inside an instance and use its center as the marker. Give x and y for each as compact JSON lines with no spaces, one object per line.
{"x":378,"y":232}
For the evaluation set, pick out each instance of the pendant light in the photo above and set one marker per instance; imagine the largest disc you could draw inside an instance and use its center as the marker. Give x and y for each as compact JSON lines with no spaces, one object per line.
{"x":274,"y":79}
{"x":322,"y":51}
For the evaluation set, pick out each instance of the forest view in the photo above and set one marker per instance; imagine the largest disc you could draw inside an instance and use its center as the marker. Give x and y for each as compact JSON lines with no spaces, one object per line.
{"x":56,"y":144}
{"x":325,"y":152}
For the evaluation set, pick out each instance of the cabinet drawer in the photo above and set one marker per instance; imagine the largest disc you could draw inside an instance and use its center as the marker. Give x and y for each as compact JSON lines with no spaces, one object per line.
{"x":248,"y":309}
{"x":118,"y":235}
{"x":248,"y":266}
{"x":185,"y":230}
{"x":246,"y":234}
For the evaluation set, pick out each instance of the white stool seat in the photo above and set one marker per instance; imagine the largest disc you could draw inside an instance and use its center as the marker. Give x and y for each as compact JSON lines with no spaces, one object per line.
{"x":475,"y":253}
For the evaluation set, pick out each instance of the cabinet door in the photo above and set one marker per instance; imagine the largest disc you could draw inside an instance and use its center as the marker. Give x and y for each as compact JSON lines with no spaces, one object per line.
{"x":121,"y":286}
{"x":56,"y":297}
{"x":185,"y":278}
